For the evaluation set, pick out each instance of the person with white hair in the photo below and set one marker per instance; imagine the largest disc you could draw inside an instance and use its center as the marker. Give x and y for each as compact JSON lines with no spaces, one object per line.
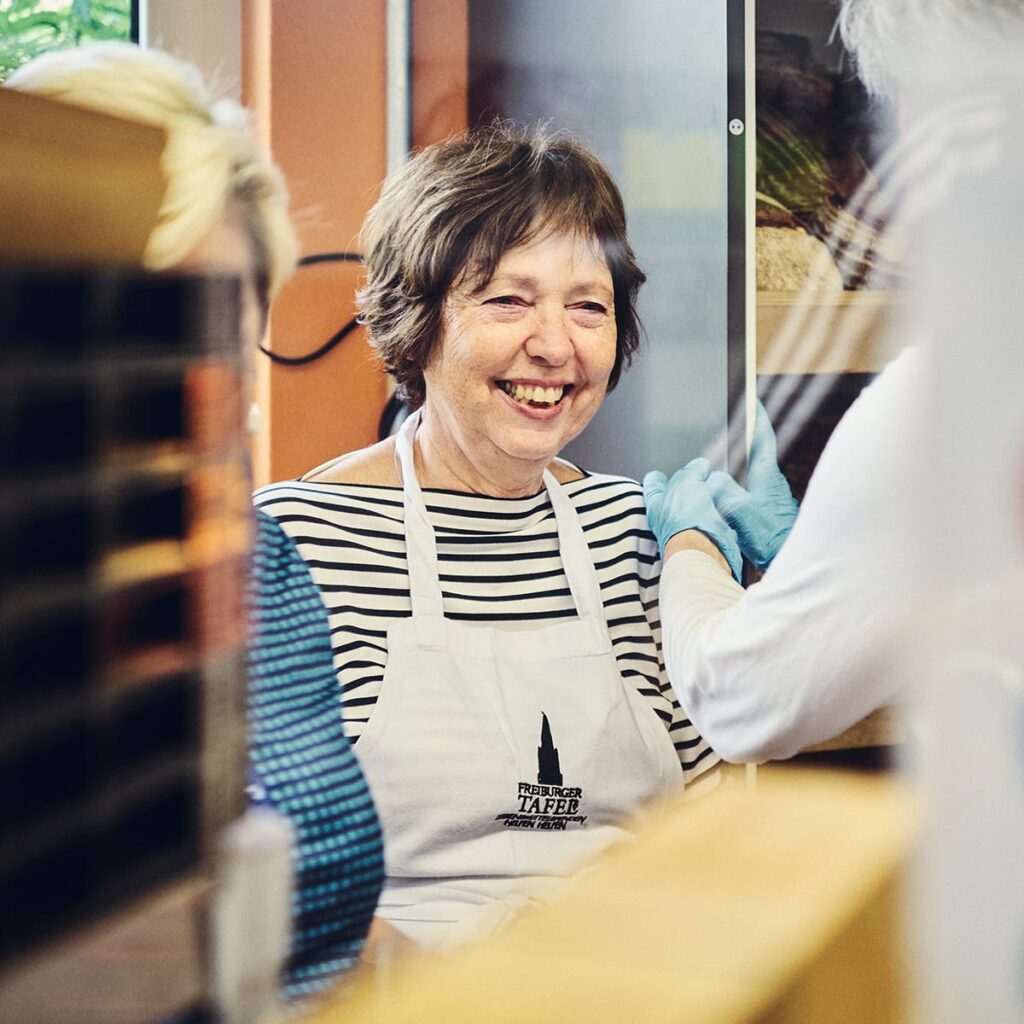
{"x":800,"y":656}
{"x":225,"y":210}
{"x":214,"y":168}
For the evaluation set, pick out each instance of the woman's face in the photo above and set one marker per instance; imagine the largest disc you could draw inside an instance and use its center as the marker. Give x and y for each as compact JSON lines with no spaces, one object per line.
{"x":523,"y":362}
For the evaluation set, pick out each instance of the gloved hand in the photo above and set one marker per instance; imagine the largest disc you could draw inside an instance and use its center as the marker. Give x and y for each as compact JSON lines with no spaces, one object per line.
{"x":762,"y":515}
{"x":685,"y":503}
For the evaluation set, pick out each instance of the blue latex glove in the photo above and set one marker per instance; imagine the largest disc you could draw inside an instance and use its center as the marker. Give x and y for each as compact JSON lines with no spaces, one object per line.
{"x":685,"y":503}
{"x":762,"y":515}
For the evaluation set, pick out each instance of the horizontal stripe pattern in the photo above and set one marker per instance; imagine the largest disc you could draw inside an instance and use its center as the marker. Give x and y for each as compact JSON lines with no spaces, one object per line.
{"x":499,"y":566}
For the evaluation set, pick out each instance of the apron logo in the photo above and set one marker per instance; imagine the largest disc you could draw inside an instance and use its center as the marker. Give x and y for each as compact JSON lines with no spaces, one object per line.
{"x":549,"y":772}
{"x":548,"y":805}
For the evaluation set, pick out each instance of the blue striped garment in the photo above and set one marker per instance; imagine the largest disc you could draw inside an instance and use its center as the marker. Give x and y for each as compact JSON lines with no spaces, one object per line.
{"x":303,"y":766}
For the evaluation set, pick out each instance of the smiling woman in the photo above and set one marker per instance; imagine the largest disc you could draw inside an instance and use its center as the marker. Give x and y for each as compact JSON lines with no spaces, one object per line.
{"x":494,"y":609}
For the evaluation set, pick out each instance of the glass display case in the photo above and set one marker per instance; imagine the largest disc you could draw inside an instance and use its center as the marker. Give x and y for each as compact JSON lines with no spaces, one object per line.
{"x":828,"y":269}
{"x":769,"y":262}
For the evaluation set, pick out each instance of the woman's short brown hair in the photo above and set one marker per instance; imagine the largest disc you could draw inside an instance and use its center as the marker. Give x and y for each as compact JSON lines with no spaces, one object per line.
{"x":457,"y":207}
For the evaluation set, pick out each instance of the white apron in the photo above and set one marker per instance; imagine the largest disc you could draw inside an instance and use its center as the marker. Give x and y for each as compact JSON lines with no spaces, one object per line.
{"x":499,"y":760}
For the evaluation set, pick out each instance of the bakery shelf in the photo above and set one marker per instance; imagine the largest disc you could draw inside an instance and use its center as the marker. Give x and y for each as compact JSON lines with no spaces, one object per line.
{"x":851,"y":326}
{"x":884,"y":727}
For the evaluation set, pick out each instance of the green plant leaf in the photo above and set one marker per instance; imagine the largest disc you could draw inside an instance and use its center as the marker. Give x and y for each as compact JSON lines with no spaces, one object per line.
{"x":29,"y":28}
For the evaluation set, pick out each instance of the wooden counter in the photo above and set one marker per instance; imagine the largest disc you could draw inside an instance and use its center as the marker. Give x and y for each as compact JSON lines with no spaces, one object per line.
{"x":778,"y":905}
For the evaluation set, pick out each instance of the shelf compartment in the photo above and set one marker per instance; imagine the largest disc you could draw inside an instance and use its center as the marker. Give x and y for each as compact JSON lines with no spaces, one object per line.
{"x":853,"y":329}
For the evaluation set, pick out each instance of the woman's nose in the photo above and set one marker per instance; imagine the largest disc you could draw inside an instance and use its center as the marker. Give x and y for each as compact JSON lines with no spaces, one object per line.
{"x":549,"y":341}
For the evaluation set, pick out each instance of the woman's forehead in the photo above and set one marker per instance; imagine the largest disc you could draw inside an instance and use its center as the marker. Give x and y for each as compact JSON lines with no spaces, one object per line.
{"x":542,"y":253}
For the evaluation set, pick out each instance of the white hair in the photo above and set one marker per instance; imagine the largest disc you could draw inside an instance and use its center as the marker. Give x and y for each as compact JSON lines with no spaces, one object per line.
{"x":881,"y":33}
{"x":211,"y":161}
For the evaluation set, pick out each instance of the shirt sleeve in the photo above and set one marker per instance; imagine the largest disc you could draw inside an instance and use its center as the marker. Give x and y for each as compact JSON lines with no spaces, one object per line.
{"x":302,"y":765}
{"x":696,"y":757}
{"x":802,"y":654}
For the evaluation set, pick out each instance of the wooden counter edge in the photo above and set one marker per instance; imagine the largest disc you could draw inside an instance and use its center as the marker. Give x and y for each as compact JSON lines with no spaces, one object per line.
{"x":713,"y":916}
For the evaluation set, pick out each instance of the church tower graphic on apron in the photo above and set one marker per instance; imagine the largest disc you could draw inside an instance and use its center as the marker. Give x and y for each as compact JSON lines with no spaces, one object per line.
{"x":547,"y":805}
{"x":549,"y":772}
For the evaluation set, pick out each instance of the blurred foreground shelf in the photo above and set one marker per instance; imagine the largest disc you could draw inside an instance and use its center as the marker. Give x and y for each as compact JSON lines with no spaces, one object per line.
{"x":142,"y":964}
{"x":775,"y":905}
{"x":79,"y":186}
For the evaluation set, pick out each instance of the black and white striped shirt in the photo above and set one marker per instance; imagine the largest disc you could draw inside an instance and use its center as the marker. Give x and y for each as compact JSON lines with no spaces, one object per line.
{"x":499,"y":565}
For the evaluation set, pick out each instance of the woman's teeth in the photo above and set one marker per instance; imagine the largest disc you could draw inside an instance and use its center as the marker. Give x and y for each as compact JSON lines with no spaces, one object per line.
{"x":534,"y":394}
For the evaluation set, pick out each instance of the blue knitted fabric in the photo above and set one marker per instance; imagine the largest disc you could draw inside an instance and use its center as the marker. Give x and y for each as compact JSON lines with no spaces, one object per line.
{"x":303,"y":766}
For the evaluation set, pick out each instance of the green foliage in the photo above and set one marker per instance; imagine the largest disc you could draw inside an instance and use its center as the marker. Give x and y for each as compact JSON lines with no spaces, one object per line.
{"x":31,"y":27}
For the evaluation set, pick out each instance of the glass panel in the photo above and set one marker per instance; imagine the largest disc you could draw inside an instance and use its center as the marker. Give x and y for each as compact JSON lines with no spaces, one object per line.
{"x":645,"y":86}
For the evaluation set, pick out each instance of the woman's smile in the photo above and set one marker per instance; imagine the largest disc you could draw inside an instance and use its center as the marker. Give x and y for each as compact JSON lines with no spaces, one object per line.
{"x":537,"y":400}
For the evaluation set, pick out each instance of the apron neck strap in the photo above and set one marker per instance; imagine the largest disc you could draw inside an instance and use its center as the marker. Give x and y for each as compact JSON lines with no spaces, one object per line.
{"x":421,"y":547}
{"x":572,"y":547}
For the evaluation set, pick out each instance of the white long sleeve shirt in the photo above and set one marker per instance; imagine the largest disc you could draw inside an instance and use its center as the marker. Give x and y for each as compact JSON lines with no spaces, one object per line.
{"x":801,"y":655}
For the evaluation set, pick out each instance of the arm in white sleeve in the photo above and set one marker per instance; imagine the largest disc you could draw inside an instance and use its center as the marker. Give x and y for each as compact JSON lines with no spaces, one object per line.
{"x":697,"y":759}
{"x":800,"y":656}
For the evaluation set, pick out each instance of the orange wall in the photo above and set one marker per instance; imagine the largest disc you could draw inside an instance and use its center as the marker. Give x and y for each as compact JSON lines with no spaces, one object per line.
{"x":440,"y":69}
{"x":314,"y":71}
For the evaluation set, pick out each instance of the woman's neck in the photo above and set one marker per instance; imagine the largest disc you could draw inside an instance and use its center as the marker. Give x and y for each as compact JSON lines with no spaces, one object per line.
{"x":443,"y":462}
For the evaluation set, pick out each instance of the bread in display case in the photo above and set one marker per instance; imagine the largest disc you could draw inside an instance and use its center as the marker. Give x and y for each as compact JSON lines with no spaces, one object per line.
{"x":829,"y":266}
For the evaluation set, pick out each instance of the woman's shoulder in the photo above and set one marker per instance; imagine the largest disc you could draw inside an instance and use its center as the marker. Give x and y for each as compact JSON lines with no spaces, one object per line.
{"x":614,"y":519}
{"x":606,"y":498}
{"x":373,"y":467}
{"x":365,"y":479}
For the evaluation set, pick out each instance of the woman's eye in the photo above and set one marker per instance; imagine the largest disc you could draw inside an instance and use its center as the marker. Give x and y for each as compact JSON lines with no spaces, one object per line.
{"x":589,"y":313}
{"x":506,"y":300}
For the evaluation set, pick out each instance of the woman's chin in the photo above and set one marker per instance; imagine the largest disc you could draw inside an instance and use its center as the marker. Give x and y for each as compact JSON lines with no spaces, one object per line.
{"x":537,"y":446}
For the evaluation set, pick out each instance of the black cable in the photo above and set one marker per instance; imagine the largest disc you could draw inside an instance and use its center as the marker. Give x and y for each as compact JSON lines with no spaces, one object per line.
{"x":394,"y":408}
{"x":336,"y":338}
{"x":311,"y":357}
{"x":331,"y":257}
